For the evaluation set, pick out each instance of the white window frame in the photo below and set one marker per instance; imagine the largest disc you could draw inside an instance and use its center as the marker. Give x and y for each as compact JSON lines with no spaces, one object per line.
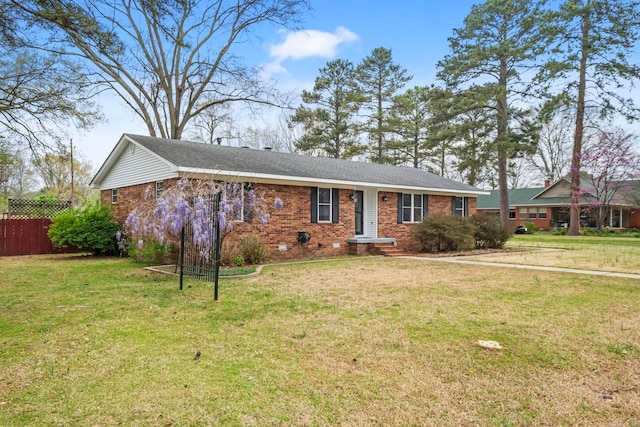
{"x":412,"y":208}
{"x":159,"y":188}
{"x":238,"y":216}
{"x":464,"y":202}
{"x":114,"y":196}
{"x":328,"y":204}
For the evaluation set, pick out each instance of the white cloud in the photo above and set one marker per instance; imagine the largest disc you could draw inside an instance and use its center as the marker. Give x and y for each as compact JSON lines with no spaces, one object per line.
{"x":307,"y":44}
{"x":272,"y":68}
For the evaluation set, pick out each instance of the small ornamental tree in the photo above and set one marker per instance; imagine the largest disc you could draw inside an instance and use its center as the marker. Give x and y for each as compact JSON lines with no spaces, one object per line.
{"x":609,"y":165}
{"x":162,"y":218}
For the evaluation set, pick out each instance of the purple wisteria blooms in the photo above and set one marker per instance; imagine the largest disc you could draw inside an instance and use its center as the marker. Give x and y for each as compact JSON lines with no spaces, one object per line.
{"x":192,"y":202}
{"x":277,"y":203}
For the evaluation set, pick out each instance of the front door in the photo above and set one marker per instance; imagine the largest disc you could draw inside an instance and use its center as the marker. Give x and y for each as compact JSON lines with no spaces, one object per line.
{"x":359,"y":206}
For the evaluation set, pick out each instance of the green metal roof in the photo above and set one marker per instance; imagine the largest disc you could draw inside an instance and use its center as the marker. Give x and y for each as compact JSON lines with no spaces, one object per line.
{"x":525,"y":197}
{"x":520,"y":197}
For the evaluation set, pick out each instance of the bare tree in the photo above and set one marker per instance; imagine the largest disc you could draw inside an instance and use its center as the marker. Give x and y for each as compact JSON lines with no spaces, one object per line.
{"x":280,"y":137}
{"x":41,"y":94}
{"x":54,"y":169}
{"x":212,"y":124}
{"x":552,"y":156}
{"x":16,"y":175}
{"x":169,"y":60}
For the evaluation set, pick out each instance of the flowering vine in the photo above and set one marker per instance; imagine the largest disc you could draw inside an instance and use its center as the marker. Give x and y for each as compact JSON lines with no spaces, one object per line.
{"x":191,"y":202}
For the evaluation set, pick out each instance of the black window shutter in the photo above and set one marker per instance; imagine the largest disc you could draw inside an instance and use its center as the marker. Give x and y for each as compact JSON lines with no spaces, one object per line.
{"x":399,"y":208}
{"x":314,"y":204}
{"x":425,"y":205}
{"x":453,"y":205}
{"x":335,"y":205}
{"x":465,"y":204}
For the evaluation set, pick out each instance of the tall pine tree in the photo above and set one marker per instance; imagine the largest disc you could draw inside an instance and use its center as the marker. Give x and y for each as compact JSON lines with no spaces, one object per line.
{"x":409,"y":118}
{"x":380,"y":80}
{"x":498,"y":41}
{"x":594,"y":40}
{"x":329,"y":124}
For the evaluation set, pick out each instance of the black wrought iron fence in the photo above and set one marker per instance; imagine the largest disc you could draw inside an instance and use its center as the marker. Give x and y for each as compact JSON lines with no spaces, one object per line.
{"x":201,"y":260}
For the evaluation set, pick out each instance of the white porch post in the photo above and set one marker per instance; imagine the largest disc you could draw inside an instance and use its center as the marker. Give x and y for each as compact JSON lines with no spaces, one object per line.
{"x":620,"y":224}
{"x":610,"y":216}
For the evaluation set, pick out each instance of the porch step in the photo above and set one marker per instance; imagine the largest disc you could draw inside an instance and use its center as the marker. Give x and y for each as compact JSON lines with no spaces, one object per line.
{"x":386,"y":249}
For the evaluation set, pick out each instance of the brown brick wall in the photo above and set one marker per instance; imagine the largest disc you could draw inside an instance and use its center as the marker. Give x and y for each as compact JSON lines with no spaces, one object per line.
{"x":282,"y":230}
{"x":634,"y":219}
{"x":541,"y":224}
{"x":280,"y":235}
{"x":388,"y":218}
{"x":128,"y":199}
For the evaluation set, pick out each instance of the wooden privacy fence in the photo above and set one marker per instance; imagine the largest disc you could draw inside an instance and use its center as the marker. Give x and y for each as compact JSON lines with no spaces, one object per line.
{"x":25,"y":237}
{"x":24,"y":232}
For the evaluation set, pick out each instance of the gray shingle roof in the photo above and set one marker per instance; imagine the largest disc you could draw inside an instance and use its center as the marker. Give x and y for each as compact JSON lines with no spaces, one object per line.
{"x":195,"y":155}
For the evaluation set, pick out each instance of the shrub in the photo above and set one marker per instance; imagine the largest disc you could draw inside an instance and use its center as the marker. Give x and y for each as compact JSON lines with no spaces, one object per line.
{"x":88,"y":228}
{"x":252,"y":250}
{"x":229,"y":253}
{"x":531,"y":227}
{"x":444,"y":233}
{"x":490,"y":233}
{"x":152,"y":252}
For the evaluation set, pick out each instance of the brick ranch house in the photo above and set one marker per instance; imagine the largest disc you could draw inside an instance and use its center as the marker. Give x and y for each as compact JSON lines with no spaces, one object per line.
{"x":346,"y":206}
{"x":548,"y":207}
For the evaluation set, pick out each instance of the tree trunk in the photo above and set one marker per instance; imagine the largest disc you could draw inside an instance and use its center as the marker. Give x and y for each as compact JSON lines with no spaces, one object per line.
{"x":380,"y":123}
{"x":600,"y":218}
{"x":574,"y":212}
{"x":503,"y":143}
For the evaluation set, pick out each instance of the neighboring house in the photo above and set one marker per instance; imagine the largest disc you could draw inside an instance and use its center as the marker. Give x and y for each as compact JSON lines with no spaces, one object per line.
{"x":548,"y":207}
{"x":346,"y":206}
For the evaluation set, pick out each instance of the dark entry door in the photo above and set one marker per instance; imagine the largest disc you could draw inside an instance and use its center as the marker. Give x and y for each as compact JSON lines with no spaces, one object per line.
{"x":359,"y":206}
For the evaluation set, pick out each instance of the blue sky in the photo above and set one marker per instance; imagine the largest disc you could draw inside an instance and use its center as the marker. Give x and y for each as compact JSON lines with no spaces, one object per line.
{"x":416,"y":31}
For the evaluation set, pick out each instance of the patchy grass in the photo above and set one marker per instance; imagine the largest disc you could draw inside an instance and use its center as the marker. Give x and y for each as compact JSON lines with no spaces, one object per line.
{"x":615,"y":254}
{"x":359,"y":341}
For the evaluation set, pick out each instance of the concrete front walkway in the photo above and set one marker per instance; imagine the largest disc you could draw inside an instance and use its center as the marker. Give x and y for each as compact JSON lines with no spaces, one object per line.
{"x":462,"y":260}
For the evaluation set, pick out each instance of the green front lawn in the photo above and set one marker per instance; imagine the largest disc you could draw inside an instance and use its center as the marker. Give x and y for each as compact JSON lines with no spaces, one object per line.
{"x":361,"y":341}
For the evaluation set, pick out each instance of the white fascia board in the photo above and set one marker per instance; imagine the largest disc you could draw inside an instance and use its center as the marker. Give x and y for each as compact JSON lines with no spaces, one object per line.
{"x":305,"y":181}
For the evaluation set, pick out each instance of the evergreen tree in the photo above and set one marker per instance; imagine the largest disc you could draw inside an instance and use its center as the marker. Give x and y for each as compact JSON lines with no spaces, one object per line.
{"x":499,"y":39}
{"x":409,"y":118}
{"x":329,"y":124}
{"x":475,"y":157}
{"x":380,"y":80}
